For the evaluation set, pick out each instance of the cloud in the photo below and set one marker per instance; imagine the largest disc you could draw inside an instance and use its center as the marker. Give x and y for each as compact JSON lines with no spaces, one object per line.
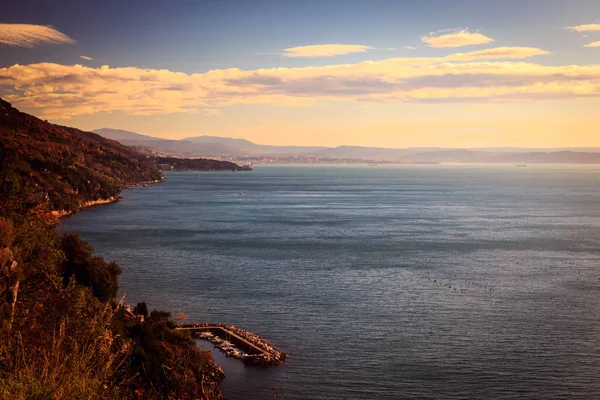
{"x":498,"y":53}
{"x":455,"y":38}
{"x":324,"y":50}
{"x":26,"y":35}
{"x":410,"y":47}
{"x":593,"y":44}
{"x":584,"y":28}
{"x":86,"y":58}
{"x":502,"y":74}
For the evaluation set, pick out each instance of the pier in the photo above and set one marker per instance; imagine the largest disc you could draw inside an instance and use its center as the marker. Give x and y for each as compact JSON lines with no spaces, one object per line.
{"x":258,"y":351}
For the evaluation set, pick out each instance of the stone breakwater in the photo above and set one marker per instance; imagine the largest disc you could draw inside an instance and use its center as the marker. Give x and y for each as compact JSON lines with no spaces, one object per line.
{"x":247,"y":346}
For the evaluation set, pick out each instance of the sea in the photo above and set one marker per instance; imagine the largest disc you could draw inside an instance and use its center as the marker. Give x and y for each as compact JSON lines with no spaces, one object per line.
{"x":380,"y":282}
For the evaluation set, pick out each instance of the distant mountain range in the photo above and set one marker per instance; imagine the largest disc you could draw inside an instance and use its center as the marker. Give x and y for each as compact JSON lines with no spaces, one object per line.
{"x":214,"y":146}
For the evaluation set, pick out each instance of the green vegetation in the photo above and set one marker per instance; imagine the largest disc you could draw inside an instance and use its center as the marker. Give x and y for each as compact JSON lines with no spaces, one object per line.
{"x":62,"y":333}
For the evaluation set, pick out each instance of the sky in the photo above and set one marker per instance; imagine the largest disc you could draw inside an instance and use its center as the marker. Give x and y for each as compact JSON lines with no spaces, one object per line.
{"x":426,"y":73}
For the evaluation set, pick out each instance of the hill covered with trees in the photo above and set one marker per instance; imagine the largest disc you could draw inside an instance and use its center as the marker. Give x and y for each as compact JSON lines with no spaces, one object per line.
{"x":67,"y":166}
{"x":198,"y":164}
{"x":63,"y":335}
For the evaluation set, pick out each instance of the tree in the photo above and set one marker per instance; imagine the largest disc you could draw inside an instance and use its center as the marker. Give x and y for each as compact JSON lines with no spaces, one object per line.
{"x":87,"y":269}
{"x":166,"y":362}
{"x":9,"y":274}
{"x":141,"y":309}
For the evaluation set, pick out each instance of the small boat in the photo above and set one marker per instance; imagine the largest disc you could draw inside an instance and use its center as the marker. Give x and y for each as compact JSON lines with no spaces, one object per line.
{"x":236,"y":353}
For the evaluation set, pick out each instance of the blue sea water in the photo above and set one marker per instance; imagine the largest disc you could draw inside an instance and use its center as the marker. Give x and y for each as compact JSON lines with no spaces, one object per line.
{"x":388,"y":282}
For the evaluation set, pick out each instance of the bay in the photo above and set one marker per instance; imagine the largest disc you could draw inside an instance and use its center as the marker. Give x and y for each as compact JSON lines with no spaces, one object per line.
{"x":387,"y":282}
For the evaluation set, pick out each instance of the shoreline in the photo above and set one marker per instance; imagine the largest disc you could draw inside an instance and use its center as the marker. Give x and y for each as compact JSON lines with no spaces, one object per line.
{"x":88,"y":204}
{"x":213,"y":376}
{"x":93,"y":203}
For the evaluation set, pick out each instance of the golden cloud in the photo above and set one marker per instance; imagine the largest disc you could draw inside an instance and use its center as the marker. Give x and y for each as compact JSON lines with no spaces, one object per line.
{"x":593,"y":44}
{"x":27,"y":35}
{"x":584,"y":28}
{"x":491,"y":75}
{"x":324,"y":50}
{"x":456,"y":38}
{"x":86,"y":58}
{"x":498,"y":53}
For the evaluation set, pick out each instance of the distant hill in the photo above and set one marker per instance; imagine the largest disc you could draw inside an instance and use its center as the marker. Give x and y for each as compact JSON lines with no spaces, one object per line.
{"x":120,"y":134}
{"x":244,"y":149}
{"x":205,"y":145}
{"x":184,"y":147}
{"x":238,"y":143}
{"x":197,"y":164}
{"x":63,"y":165}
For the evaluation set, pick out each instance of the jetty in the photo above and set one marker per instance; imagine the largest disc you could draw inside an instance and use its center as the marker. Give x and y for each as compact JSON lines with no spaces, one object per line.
{"x":253,"y":350}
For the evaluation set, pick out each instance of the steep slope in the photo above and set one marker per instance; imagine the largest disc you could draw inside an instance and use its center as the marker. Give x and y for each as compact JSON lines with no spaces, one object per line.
{"x":63,"y":165}
{"x":63,"y":334}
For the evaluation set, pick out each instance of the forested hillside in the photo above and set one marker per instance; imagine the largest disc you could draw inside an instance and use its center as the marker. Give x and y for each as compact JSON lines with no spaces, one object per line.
{"x":63,"y":334}
{"x":198,"y":164}
{"x":66,"y":166}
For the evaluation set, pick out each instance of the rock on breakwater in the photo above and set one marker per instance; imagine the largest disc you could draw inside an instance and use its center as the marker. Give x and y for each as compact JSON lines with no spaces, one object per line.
{"x":256,"y":350}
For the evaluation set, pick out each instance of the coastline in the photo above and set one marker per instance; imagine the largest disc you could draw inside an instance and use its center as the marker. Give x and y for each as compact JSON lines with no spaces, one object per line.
{"x":87,"y":204}
{"x":211,"y":379}
{"x":92,"y":203}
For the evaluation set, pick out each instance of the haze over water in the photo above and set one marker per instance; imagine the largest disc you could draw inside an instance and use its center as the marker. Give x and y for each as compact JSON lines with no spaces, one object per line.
{"x":381,"y":283}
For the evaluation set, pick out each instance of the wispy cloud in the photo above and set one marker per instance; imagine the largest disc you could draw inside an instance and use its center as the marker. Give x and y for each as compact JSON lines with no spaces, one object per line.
{"x":593,"y":44}
{"x":584,"y":28}
{"x":455,"y":38}
{"x":410,"y":47}
{"x":498,"y":53}
{"x":491,"y":75}
{"x":86,"y":58}
{"x":325,"y":50}
{"x":26,"y":35}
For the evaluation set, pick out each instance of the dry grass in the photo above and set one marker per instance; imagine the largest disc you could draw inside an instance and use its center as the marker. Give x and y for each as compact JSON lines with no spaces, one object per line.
{"x":70,"y":368}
